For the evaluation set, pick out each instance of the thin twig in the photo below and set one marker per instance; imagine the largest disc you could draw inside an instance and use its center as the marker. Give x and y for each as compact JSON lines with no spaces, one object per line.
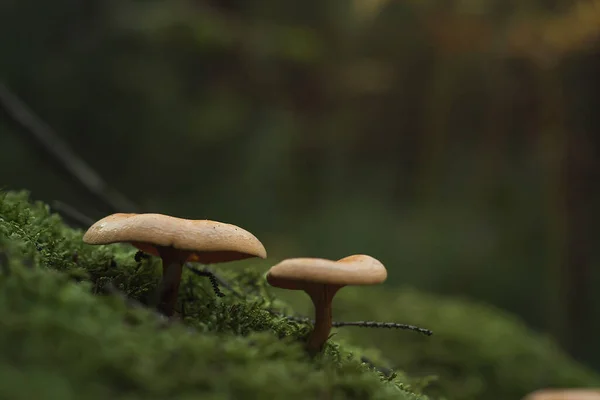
{"x":213,"y":280}
{"x":59,"y":151}
{"x":205,"y":270}
{"x":388,"y":325}
{"x":82,"y":220}
{"x":361,"y":324}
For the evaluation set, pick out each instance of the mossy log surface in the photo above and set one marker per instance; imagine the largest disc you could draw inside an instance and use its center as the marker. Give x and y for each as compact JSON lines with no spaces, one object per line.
{"x":67,"y":333}
{"x":62,"y":336}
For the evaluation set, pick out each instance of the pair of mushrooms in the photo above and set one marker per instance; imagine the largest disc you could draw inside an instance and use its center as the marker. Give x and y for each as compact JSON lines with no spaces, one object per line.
{"x":177,"y":241}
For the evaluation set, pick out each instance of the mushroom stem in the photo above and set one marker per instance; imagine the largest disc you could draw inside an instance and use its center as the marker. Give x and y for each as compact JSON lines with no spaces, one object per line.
{"x":172,"y":265}
{"x":321,"y":296}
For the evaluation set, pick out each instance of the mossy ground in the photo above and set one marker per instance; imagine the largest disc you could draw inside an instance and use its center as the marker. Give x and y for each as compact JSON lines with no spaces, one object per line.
{"x":476,"y":351}
{"x":63,"y":336}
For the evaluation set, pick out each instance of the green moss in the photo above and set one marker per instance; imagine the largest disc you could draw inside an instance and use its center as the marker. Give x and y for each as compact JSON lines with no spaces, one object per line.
{"x":61,"y":337}
{"x":476,"y":351}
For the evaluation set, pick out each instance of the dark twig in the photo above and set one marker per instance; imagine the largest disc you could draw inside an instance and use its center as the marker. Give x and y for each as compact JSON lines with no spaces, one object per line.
{"x":388,"y":325}
{"x":48,"y":141}
{"x":213,"y":280}
{"x":361,"y":324}
{"x":70,"y":213}
{"x":217,"y":279}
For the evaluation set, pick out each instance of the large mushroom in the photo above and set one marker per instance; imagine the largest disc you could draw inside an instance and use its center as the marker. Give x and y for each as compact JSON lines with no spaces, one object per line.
{"x":176,"y":241}
{"x":321,"y":279}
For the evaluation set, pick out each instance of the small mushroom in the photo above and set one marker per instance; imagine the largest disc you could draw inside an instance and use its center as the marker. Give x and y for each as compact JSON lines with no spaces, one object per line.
{"x":321,"y":279}
{"x":176,"y":241}
{"x":564,"y":394}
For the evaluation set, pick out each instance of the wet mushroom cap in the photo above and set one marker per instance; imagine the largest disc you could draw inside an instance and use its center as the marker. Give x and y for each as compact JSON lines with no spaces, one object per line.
{"x":296,"y":273}
{"x":206,"y":241}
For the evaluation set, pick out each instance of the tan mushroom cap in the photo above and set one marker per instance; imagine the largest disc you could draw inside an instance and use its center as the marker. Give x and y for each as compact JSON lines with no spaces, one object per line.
{"x":206,"y":241}
{"x":564,"y":394}
{"x":297,"y":273}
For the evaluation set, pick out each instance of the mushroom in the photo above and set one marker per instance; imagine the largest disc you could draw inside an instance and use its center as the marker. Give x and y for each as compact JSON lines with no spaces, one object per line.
{"x":564,"y":394}
{"x":176,"y":241}
{"x":321,"y":279}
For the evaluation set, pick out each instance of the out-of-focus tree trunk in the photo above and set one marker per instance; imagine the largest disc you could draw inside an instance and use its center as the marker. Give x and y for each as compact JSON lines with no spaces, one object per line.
{"x":551,"y":138}
{"x":582,"y":176}
{"x":576,"y":266}
{"x":571,"y":182}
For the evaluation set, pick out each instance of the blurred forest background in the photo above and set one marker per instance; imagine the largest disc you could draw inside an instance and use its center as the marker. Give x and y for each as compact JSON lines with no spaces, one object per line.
{"x":454,"y":140}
